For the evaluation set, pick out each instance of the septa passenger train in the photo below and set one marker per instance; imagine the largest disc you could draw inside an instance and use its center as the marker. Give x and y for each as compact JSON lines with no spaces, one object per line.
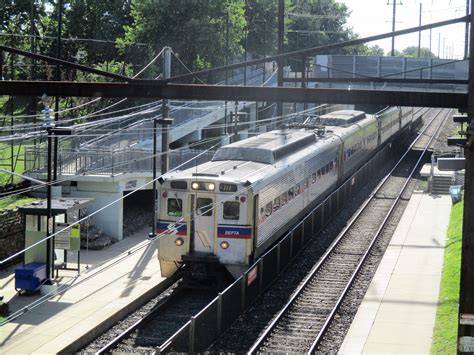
{"x":230,"y":210}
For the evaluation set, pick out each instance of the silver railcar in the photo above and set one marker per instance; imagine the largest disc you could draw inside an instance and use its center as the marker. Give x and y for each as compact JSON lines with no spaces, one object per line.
{"x":230,"y":210}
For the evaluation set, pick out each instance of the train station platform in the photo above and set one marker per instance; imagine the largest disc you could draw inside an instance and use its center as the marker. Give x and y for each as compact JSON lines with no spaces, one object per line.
{"x":117,"y":279}
{"x":398,"y":312}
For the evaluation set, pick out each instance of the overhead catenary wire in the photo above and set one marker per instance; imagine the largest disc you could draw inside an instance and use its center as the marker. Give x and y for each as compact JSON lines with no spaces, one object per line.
{"x":17,"y":254}
{"x":5,"y":195}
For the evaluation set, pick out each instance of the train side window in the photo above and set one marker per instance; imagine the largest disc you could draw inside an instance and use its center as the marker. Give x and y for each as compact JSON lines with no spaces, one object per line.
{"x":319,"y":174}
{"x":284,"y":198}
{"x":297,"y":189}
{"x":231,"y":210}
{"x":268,"y":209}
{"x":313,"y":178}
{"x":276,"y":204}
{"x":291,"y":193}
{"x":204,"y":206}
{"x":175,"y":207}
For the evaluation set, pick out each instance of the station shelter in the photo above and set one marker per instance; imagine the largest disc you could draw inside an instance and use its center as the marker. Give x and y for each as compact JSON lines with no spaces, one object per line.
{"x":65,"y":246}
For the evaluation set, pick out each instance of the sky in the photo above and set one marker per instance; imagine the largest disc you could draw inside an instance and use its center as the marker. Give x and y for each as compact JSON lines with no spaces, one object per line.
{"x":371,"y":17}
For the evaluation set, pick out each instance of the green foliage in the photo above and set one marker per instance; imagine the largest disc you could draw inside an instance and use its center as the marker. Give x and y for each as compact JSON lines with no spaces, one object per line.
{"x":375,"y":50}
{"x":195,"y":30}
{"x":412,"y":52}
{"x":445,"y":332}
{"x":5,"y":155}
{"x":316,"y":23}
{"x":124,"y":35}
{"x":14,"y":202}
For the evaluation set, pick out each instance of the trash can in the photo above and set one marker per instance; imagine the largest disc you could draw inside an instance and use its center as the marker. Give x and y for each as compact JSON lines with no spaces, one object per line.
{"x":30,"y":276}
{"x":456,"y":193}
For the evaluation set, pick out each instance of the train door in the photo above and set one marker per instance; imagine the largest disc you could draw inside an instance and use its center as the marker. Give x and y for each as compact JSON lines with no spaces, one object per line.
{"x":255,"y":218}
{"x":340,"y":162}
{"x":203,"y":226}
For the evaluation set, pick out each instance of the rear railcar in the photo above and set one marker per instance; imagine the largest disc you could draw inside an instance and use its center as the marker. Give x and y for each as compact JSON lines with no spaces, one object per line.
{"x":303,"y":179}
{"x":389,"y":123}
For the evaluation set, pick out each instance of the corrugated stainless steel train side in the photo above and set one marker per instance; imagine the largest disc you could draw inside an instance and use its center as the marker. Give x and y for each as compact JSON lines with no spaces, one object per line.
{"x":230,"y":210}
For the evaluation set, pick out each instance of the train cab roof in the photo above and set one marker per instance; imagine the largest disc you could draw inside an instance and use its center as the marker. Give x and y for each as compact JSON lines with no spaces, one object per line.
{"x":342,"y":117}
{"x":266,"y":148}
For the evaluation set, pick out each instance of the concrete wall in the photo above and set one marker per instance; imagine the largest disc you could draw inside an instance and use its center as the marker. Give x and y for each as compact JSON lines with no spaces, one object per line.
{"x":105,"y":190}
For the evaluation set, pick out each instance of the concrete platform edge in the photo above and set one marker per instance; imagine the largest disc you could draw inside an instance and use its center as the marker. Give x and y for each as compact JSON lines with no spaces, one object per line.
{"x":85,"y":339}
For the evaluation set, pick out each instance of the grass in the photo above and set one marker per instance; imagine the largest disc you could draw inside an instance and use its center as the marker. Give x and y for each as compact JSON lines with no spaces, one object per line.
{"x":446,"y":326}
{"x":19,"y":151}
{"x":14,"y":202}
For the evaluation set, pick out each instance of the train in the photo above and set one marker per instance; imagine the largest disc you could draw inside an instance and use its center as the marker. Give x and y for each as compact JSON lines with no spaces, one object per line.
{"x":227,"y":212}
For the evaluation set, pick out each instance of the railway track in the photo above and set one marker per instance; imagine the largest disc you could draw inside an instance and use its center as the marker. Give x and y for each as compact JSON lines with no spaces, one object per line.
{"x":302,"y":323}
{"x":150,"y":331}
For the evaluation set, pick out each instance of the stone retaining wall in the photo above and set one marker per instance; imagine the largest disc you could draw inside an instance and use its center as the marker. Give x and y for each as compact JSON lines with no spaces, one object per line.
{"x":11,"y":232}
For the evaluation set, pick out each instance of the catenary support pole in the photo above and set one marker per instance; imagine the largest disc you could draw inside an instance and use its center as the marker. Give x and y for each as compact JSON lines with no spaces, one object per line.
{"x":165,"y":112}
{"x":466,"y":292}
{"x":393,"y":26}
{"x":419,"y":32}
{"x":57,"y":78}
{"x":466,"y":32}
{"x":281,"y":35}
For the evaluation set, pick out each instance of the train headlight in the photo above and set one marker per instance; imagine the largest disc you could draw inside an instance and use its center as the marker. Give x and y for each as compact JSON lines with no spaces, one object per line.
{"x":179,"y":242}
{"x":202,"y":185}
{"x":224,"y":245}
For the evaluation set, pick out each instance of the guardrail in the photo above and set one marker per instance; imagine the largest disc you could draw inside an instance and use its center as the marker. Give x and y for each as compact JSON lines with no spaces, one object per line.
{"x":205,"y":327}
{"x":108,"y":162}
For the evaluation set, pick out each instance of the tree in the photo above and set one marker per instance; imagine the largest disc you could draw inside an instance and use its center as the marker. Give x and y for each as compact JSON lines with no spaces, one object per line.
{"x":375,"y":50}
{"x":195,"y":30}
{"x":258,"y":12}
{"x":412,"y":52}
{"x":100,"y":21}
{"x":318,"y":22}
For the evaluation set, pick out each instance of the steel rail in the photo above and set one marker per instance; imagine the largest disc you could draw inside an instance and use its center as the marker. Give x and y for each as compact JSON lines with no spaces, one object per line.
{"x":114,"y":342}
{"x":325,"y":326}
{"x":333,"y":246}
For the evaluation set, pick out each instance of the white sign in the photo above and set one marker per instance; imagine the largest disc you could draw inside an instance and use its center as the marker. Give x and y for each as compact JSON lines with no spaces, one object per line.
{"x":50,"y":225}
{"x":466,"y":344}
{"x":63,"y":239}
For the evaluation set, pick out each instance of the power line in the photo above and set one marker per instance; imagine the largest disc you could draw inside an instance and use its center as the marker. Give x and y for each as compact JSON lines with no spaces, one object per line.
{"x":75,"y":39}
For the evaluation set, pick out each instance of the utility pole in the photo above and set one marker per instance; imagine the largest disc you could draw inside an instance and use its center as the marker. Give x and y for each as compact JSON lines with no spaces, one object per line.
{"x":431,"y":33}
{"x":444,"y":47}
{"x":165,"y":123}
{"x":466,"y":291}
{"x":226,"y":64}
{"x":235,"y":120}
{"x":12,"y":110}
{"x":48,"y":124}
{"x":419,"y":32}
{"x":245,"y":52}
{"x":264,"y":47}
{"x":393,"y":25}
{"x":32,"y":110}
{"x":165,"y":112}
{"x":466,"y":32}
{"x":58,"y":78}
{"x":439,"y":45}
{"x":281,"y":29}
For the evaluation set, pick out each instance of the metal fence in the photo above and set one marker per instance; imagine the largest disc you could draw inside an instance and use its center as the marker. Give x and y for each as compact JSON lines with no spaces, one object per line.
{"x":353,"y":66}
{"x":205,"y":327}
{"x":109,"y":162}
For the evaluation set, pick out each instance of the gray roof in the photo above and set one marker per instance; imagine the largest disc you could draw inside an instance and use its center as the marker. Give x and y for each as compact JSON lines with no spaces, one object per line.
{"x":342,"y":118}
{"x":266,"y":148}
